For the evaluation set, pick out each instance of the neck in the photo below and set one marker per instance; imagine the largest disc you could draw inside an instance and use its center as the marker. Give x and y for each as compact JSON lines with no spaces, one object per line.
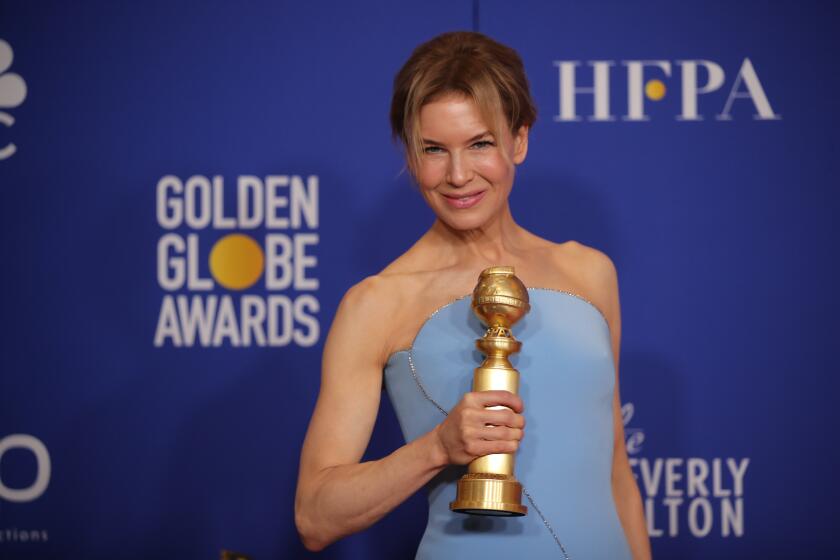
{"x":494,"y":243}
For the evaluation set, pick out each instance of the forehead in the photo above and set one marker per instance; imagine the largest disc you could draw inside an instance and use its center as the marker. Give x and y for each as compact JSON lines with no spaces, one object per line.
{"x":451,"y":118}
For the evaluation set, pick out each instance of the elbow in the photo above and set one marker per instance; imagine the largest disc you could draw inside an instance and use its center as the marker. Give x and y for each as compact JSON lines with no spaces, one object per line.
{"x":315,"y":532}
{"x":311,"y":538}
{"x":312,"y":545}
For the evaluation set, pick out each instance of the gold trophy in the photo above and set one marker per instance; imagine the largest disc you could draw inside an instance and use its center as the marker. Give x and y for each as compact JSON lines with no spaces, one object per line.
{"x":499,"y":300}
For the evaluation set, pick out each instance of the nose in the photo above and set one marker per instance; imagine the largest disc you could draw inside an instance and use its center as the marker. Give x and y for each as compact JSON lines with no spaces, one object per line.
{"x":459,"y":173}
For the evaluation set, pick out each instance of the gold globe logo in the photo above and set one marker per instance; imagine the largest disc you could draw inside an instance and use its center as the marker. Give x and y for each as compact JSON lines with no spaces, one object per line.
{"x":236,"y":261}
{"x":655,"y":90}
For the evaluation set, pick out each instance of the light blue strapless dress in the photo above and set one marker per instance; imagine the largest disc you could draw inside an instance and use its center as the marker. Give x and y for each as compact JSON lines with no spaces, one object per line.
{"x":565,"y":460}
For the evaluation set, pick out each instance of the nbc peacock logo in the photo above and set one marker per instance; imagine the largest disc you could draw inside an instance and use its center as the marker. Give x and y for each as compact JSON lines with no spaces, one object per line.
{"x":12,"y":94}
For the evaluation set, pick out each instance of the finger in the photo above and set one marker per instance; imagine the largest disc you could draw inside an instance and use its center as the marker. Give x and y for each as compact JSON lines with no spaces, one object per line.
{"x":499,"y":398}
{"x":480,"y":448}
{"x":501,"y":417}
{"x":497,"y":433}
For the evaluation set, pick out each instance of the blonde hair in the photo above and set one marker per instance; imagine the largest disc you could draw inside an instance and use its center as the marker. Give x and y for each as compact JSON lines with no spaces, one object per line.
{"x":467,"y":63}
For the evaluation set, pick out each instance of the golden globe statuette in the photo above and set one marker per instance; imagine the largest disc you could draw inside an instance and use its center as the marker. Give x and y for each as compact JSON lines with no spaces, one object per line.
{"x":500,"y":299}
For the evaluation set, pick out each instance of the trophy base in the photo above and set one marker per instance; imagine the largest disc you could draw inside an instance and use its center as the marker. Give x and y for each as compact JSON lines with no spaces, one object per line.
{"x":489,"y":494}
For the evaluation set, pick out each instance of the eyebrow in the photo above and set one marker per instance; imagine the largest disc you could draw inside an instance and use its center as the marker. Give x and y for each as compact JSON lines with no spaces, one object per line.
{"x":473,"y":139}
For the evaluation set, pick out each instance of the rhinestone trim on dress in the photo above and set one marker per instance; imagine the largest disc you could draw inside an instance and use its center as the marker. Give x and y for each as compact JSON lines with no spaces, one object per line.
{"x":445,"y":305}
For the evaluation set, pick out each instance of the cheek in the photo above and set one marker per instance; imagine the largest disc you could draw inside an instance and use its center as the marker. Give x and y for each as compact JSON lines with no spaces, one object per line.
{"x":430,"y":175}
{"x":495,"y":168}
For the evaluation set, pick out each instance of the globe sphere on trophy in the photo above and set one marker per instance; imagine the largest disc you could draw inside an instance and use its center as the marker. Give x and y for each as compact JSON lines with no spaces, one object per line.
{"x":500,"y":300}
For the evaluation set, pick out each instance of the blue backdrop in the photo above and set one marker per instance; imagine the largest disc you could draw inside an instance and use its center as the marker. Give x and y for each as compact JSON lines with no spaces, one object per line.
{"x":155,"y":396}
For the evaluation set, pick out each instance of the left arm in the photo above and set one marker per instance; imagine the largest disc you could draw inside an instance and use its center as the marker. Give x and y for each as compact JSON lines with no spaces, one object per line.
{"x":628,"y":500}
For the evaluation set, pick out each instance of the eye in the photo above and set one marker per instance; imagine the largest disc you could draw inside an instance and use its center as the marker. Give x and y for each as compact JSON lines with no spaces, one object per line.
{"x":482,"y":144}
{"x":432,"y":150}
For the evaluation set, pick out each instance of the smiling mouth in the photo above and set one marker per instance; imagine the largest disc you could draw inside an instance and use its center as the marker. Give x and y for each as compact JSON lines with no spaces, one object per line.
{"x":464,"y":201}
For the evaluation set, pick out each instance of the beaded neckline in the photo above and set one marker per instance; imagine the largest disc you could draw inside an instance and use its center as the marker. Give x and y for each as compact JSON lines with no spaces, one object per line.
{"x":456,"y":300}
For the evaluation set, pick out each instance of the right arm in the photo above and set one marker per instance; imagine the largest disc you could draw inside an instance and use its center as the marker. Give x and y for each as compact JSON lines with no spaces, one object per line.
{"x":336,"y":494}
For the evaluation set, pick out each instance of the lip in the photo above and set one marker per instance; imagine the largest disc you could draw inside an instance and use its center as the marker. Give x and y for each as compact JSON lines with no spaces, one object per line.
{"x":464,"y":201}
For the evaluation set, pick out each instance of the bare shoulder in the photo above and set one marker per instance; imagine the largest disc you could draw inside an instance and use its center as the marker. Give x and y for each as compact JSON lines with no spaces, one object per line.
{"x":369,"y":296}
{"x":573,"y":261}
{"x":591,"y":273}
{"x":590,"y":265}
{"x":366,"y":315}
{"x":376,"y":298}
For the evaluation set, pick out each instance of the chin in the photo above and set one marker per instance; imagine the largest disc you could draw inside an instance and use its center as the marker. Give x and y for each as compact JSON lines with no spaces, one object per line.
{"x":463,"y":222}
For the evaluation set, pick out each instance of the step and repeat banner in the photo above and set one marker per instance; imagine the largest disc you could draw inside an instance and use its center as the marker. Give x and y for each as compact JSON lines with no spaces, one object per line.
{"x":189,"y":188}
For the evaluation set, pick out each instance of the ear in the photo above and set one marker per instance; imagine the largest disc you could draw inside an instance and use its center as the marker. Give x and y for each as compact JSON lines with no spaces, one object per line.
{"x":520,"y":145}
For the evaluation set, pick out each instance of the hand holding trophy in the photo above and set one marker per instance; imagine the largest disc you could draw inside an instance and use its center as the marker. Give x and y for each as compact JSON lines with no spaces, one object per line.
{"x":500,"y":300}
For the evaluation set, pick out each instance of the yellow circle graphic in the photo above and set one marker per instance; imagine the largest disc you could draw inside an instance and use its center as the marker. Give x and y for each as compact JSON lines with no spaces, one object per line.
{"x":236,"y":261}
{"x":655,"y":90}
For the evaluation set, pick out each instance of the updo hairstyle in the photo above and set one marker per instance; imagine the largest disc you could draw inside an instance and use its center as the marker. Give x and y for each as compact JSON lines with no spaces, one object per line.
{"x":467,"y":63}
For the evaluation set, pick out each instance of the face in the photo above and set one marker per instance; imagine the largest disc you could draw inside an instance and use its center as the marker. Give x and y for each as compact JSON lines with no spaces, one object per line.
{"x":465,"y":173}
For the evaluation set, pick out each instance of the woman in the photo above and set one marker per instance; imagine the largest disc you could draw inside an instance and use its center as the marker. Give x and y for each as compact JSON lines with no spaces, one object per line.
{"x":462,"y":109}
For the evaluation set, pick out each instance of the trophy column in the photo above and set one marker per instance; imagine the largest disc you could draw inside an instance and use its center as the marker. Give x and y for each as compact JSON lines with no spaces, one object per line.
{"x":499,"y":300}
